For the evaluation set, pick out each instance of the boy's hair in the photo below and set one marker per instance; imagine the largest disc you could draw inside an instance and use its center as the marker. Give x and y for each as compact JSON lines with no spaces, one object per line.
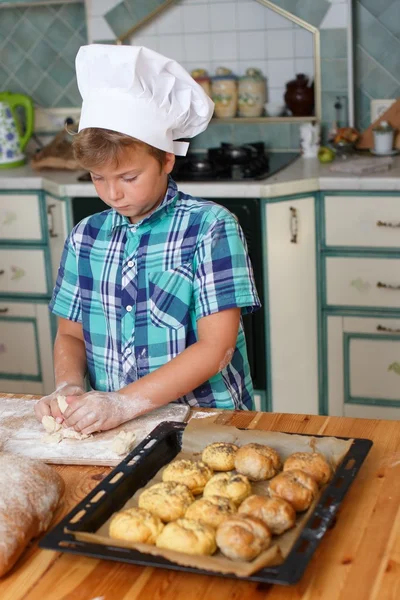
{"x":95,"y":146}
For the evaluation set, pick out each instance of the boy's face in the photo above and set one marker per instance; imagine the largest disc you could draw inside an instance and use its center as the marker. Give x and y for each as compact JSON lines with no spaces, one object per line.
{"x":136,"y":186}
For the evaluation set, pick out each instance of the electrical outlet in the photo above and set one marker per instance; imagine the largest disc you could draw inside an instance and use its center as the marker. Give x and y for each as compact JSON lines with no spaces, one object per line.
{"x":52,"y":120}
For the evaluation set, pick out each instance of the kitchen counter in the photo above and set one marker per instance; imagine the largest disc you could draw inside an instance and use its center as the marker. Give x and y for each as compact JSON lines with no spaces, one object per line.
{"x":303,"y":176}
{"x":359,"y":558}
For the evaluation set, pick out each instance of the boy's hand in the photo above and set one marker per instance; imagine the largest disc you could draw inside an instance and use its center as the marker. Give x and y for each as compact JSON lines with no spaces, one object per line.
{"x":48,"y":405}
{"x":97,"y":411}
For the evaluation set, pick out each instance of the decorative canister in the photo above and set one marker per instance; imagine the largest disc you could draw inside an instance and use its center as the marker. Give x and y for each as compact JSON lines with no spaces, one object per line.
{"x":252,"y":93}
{"x":224,"y":93}
{"x":383,"y":138}
{"x":202,"y":78}
{"x":299,"y":96}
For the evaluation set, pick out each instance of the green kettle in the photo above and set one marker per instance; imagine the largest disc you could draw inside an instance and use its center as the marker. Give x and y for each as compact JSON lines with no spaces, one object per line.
{"x":12,"y":139}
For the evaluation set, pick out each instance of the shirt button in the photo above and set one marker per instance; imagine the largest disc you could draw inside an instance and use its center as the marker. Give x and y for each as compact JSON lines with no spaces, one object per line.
{"x":129,"y":350}
{"x":131,"y":263}
{"x":129,"y":308}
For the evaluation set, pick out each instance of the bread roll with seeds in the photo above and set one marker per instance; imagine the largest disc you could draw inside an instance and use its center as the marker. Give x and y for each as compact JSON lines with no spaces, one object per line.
{"x":312,"y":463}
{"x":234,"y":486}
{"x":220,"y":456}
{"x":168,"y":500}
{"x":191,"y":473}
{"x":212,"y":510}
{"x":186,"y":535}
{"x":136,"y":525}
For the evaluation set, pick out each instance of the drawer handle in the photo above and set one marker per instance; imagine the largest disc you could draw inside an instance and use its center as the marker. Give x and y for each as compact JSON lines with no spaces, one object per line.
{"x":294,"y":225}
{"x":387,"y":286}
{"x":387,"y":329}
{"x":50,"y":221}
{"x":387,"y":224}
{"x":2,"y":271}
{"x":3,"y":311}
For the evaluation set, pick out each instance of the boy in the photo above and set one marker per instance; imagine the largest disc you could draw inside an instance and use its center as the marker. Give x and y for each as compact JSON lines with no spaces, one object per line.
{"x":149,"y":293}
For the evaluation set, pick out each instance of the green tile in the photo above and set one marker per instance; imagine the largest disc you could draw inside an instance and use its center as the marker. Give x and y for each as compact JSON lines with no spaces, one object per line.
{"x":362,"y":109}
{"x":71,"y":49}
{"x":9,"y":18}
{"x":58,"y":35}
{"x":3,"y":78}
{"x":11,"y":56}
{"x":61,"y":72}
{"x":334,"y":75}
{"x":73,"y":15}
{"x":312,"y":11}
{"x":276,"y":135}
{"x":73,"y":94}
{"x":328,"y":101}
{"x":379,"y":84}
{"x":333,"y":43}
{"x":24,"y":35}
{"x":375,"y":39}
{"x":43,"y":55}
{"x":41,"y":17}
{"x":375,"y":7}
{"x":140,"y":9}
{"x":294,"y":136}
{"x":363,"y":64}
{"x":28,"y":74}
{"x":119,"y":19}
{"x":65,"y":101}
{"x":46,"y":92}
{"x":391,"y":18}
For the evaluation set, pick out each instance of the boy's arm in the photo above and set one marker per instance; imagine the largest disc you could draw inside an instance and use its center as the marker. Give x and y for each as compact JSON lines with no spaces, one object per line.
{"x":217,"y":335}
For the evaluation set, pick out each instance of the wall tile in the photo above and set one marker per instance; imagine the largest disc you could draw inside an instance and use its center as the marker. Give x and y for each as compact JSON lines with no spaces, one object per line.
{"x":334,"y":75}
{"x":29,"y":74}
{"x":303,"y":43}
{"x":10,"y":17}
{"x":376,"y":7}
{"x":280,"y":72}
{"x":337,"y":17}
{"x":224,"y":45}
{"x":363,"y":112}
{"x":334,"y":43}
{"x":250,"y":15}
{"x":223,"y":16}
{"x":24,"y":35}
{"x":171,"y":21}
{"x":305,"y":65}
{"x":280,"y":44}
{"x":379,"y":84}
{"x":172,"y":46}
{"x":251,"y":44}
{"x":197,"y":44}
{"x":46,"y":91}
{"x":274,"y":20}
{"x":117,"y":18}
{"x":196,"y":18}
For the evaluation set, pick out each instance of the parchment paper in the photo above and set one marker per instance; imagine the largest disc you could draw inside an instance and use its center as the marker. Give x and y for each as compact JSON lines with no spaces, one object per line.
{"x":198,"y":434}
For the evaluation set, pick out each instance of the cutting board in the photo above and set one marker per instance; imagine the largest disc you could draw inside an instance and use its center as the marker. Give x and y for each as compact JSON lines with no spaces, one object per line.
{"x":392,"y":116}
{"x":22,"y":434}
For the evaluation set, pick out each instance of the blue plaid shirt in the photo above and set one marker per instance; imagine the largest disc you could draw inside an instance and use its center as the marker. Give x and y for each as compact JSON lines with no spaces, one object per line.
{"x":139,"y":289}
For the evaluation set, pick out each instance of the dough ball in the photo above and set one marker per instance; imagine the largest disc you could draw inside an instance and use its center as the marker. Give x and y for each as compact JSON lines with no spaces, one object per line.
{"x":50,"y":424}
{"x":242,"y":537}
{"x":168,"y":500}
{"x":62,"y":403}
{"x":135,"y":525}
{"x":220,"y":456}
{"x":312,"y":463}
{"x":276,"y":513}
{"x":298,"y":488}
{"x":123,"y":442}
{"x":234,"y":486}
{"x":193,"y":474}
{"x":212,"y":510}
{"x":186,"y":535}
{"x":257,"y":462}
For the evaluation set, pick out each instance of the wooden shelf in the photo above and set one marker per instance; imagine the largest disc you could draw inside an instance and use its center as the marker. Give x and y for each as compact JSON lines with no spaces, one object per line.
{"x":263,"y":119}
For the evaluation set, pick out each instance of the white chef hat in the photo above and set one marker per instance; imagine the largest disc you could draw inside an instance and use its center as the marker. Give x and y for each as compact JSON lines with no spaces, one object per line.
{"x":138,"y":92}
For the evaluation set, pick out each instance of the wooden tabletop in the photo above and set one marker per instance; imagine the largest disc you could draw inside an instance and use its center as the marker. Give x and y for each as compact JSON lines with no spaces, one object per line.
{"x":359,"y":558}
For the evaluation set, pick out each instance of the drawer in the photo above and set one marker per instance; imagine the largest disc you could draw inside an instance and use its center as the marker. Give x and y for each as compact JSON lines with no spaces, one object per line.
{"x":372,"y":221}
{"x":23,"y":271}
{"x":20,"y":217}
{"x":19,"y":349}
{"x":373,"y":282}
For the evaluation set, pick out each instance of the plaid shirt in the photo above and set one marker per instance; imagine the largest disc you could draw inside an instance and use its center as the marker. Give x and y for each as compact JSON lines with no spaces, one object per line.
{"x":139,"y":289}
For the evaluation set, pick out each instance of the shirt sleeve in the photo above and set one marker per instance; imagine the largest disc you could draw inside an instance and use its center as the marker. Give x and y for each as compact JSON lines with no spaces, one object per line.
{"x":66,"y":298}
{"x":223,"y":275}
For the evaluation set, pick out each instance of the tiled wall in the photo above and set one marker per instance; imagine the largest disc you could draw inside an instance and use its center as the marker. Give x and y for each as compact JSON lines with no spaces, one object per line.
{"x":38,"y":46}
{"x":377,"y":65}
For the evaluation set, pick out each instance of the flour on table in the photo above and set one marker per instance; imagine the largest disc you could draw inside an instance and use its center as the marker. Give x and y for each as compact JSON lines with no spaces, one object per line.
{"x":52,"y":438}
{"x":123,"y":442}
{"x":56,"y":433}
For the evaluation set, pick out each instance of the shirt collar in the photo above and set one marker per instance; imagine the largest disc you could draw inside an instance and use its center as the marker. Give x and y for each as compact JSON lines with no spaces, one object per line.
{"x":118,"y":220}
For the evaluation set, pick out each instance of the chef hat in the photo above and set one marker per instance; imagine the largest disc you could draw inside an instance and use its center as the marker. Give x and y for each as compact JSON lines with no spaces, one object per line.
{"x":138,"y":92}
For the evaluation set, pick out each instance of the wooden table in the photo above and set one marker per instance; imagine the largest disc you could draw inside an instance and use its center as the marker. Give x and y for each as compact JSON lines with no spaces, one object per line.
{"x":359,"y":558}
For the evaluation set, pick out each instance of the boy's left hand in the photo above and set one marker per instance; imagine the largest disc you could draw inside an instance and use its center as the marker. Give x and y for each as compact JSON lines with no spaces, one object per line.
{"x":96,"y":411}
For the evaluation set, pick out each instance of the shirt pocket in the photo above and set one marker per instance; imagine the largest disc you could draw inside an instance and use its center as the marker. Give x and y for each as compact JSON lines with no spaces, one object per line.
{"x":170,"y":295}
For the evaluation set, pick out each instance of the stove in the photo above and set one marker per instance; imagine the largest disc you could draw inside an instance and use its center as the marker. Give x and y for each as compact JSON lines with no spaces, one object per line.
{"x":229,"y":163}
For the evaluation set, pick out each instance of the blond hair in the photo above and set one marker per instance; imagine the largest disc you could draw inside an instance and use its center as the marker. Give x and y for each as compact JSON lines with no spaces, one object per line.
{"x":95,"y":146}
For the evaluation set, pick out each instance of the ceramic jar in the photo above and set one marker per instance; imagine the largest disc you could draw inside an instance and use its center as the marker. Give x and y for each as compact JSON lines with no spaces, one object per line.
{"x":224,"y":93}
{"x":299,"y":96}
{"x":202,"y":78}
{"x":252,"y":93}
{"x":383,"y":138}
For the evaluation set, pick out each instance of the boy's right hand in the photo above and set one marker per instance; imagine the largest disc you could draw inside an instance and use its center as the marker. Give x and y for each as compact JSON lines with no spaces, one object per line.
{"x":48,"y":405}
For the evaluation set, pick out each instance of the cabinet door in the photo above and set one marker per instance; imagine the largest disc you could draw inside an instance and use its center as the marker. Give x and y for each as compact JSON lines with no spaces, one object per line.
{"x":363,"y":363}
{"x":58,"y":230}
{"x":292,"y":305}
{"x":23,"y":271}
{"x":20,"y":217}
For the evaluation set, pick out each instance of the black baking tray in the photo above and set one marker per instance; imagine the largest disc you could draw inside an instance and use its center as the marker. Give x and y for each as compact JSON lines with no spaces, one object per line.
{"x":141,"y":465}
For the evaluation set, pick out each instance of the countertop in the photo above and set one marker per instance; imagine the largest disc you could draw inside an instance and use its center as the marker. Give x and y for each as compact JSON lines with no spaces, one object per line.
{"x":359,"y":557}
{"x":302,"y":176}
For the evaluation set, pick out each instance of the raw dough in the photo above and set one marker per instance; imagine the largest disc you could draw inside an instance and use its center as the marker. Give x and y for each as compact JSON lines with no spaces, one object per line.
{"x":62,"y":403}
{"x":52,"y":438}
{"x":56,"y":432}
{"x":123,"y":442}
{"x":50,"y":424}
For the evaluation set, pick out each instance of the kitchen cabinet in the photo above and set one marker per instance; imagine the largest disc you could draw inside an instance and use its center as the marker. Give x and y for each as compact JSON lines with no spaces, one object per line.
{"x":291,"y":304}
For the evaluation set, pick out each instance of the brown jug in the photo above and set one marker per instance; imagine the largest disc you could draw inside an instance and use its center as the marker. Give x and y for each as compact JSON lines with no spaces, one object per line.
{"x":299,"y":96}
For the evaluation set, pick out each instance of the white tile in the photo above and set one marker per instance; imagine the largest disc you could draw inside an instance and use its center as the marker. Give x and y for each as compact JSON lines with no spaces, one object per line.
{"x":149,"y":41}
{"x":305,"y":65}
{"x":172,"y":46}
{"x":251,"y":44}
{"x":224,"y":46}
{"x":273,"y":20}
{"x":243,"y":65}
{"x":170,"y":20}
{"x":149,"y":28}
{"x":223,"y":16}
{"x":250,"y":15}
{"x":280,"y":72}
{"x":276,"y":95}
{"x":228,"y":64}
{"x":303,"y":43}
{"x":196,"y":18}
{"x":280,"y":44}
{"x":197,"y":47}
{"x":100,"y":29}
{"x":337,"y":17}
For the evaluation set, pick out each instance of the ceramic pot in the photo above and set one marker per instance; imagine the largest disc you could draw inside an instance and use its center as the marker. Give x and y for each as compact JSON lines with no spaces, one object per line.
{"x":299,"y":96}
{"x":383,"y":138}
{"x":224,"y":94}
{"x":252,"y":94}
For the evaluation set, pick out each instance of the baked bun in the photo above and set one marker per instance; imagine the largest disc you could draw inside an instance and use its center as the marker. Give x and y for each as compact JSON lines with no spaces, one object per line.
{"x":220,"y":456}
{"x":136,"y":525}
{"x":312,"y":463}
{"x":276,"y":513}
{"x":193,"y":474}
{"x":212,"y":510}
{"x":295,"y":486}
{"x":234,"y":486}
{"x":168,"y":501}
{"x":257,"y":462}
{"x":242,"y":537}
{"x":186,"y":535}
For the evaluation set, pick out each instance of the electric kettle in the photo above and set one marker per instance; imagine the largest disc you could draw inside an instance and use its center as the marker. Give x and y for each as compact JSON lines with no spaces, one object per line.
{"x":12,"y":139}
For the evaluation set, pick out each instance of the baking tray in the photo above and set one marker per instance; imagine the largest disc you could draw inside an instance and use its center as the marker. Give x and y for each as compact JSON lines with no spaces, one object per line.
{"x":159,"y":448}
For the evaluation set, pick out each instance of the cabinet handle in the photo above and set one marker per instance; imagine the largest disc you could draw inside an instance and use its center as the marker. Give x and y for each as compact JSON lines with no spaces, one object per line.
{"x":3,"y":311}
{"x":294,"y":225}
{"x":50,"y":221}
{"x":387,"y":329}
{"x":387,"y":224}
{"x":2,"y":271}
{"x":387,"y":286}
